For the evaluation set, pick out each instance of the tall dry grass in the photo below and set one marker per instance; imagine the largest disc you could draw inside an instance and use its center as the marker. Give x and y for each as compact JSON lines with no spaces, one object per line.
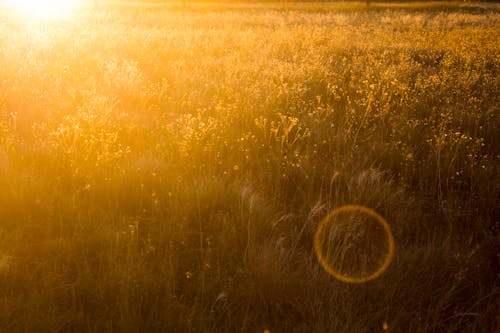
{"x":166,"y":170}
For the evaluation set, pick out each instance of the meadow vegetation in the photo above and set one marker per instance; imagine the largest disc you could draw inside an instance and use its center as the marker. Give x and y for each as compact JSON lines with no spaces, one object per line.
{"x":164,"y":170}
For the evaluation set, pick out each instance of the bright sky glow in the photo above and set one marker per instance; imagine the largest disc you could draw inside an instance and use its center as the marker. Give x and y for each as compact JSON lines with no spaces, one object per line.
{"x":45,"y":9}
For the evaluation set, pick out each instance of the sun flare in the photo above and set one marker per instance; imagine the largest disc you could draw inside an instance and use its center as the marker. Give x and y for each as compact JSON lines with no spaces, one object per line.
{"x":45,"y":9}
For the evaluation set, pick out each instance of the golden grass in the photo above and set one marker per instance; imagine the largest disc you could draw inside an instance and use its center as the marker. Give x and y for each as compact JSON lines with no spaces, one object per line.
{"x":166,"y":171}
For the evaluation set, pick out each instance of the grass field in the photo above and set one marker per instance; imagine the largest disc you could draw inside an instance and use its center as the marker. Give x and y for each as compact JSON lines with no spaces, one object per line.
{"x":164,"y":169}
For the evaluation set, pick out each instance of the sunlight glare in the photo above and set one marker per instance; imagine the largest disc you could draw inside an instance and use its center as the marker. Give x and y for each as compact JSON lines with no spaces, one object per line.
{"x":45,"y":9}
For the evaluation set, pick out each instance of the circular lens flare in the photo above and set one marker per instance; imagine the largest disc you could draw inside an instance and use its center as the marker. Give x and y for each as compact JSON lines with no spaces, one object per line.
{"x":347,"y":238}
